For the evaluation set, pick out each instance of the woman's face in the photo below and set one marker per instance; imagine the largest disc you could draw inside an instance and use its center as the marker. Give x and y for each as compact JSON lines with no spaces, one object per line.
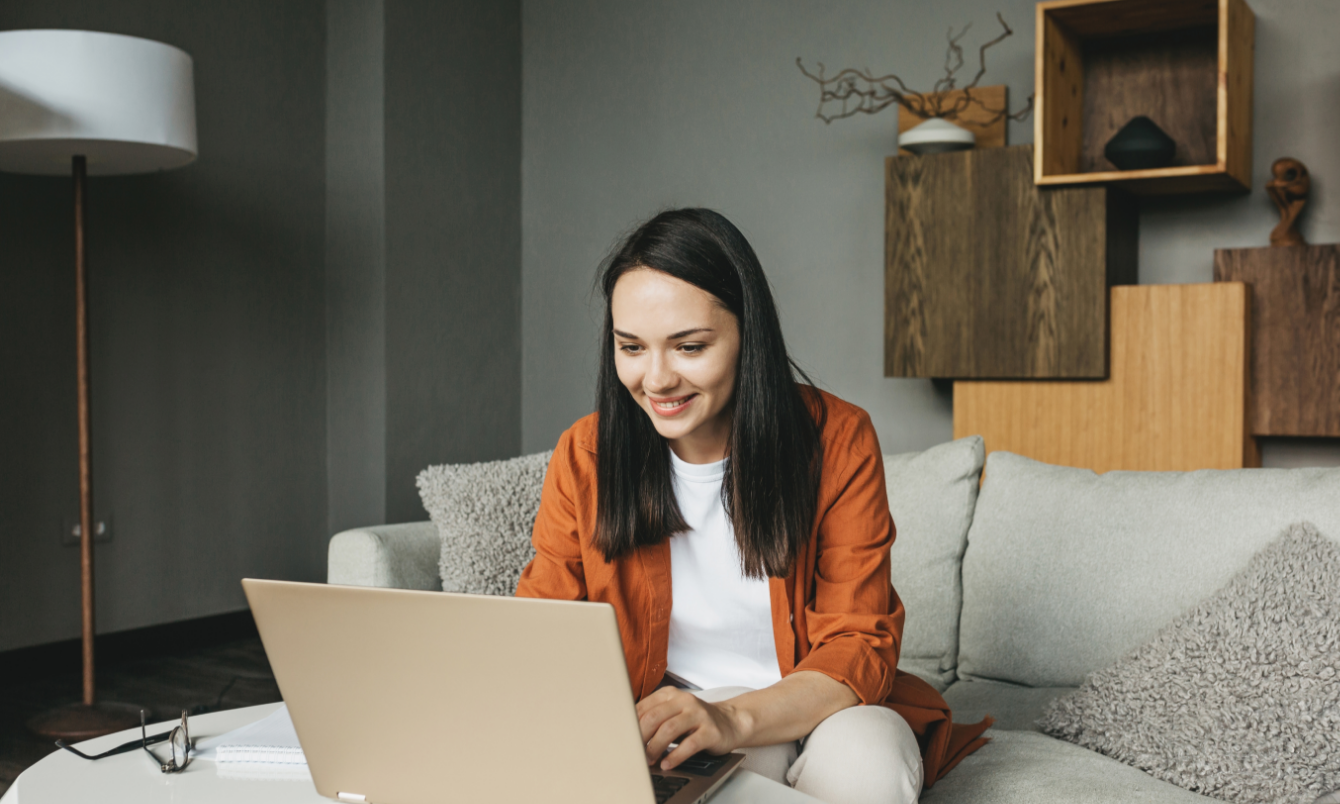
{"x":675,"y":349}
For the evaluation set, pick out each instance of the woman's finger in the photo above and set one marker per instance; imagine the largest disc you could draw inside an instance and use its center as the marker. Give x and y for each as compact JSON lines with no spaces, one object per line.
{"x":670,"y":731}
{"x":656,"y":697}
{"x":687,"y":747}
{"x":653,"y":710}
{"x":651,"y":720}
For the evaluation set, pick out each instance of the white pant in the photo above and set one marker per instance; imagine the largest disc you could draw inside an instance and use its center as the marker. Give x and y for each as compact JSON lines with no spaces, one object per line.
{"x":860,"y":755}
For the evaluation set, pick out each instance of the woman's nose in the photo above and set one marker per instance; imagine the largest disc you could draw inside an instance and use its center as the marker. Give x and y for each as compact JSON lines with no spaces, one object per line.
{"x":660,"y":377}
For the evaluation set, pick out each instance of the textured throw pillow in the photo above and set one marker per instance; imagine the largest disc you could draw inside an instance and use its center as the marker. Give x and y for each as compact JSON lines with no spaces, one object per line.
{"x":1238,"y":698}
{"x":931,"y":496}
{"x":484,"y":513}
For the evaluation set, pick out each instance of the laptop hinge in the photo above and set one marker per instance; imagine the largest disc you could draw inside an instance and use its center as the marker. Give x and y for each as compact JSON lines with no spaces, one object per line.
{"x":342,"y":796}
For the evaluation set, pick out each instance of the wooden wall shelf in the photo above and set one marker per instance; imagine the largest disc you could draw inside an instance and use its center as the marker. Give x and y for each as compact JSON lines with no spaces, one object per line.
{"x":1185,"y":64}
{"x":1296,"y":335}
{"x":988,"y":275}
{"x":1176,"y":401}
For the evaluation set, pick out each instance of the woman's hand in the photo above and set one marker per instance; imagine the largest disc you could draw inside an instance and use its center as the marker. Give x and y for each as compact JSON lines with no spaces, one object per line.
{"x":672,"y":715}
{"x":787,"y":710}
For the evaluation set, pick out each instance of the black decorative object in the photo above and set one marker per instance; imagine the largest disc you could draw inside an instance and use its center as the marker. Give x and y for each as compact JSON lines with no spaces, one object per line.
{"x":1140,"y":145}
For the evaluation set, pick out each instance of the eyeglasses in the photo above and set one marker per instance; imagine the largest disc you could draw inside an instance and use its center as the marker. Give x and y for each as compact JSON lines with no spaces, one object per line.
{"x":178,"y":740}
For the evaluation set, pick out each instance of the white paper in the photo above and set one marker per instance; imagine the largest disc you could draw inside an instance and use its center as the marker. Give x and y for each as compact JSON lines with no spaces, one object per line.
{"x":272,"y":740}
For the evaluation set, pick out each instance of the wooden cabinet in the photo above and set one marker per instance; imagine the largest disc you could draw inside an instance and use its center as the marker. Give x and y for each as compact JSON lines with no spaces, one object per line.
{"x":989,"y":276}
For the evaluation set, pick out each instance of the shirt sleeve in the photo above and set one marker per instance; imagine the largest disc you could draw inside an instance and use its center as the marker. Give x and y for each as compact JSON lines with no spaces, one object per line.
{"x":855,"y":619}
{"x":556,"y":572}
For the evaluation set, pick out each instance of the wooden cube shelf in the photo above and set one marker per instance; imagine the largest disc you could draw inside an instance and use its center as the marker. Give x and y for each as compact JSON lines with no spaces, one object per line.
{"x":1185,"y":64}
{"x":989,"y":276}
{"x":1295,"y":335}
{"x":1176,"y":401}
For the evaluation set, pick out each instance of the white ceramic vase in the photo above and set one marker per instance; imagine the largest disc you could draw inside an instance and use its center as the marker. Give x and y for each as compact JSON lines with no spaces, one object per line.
{"x":936,"y":136}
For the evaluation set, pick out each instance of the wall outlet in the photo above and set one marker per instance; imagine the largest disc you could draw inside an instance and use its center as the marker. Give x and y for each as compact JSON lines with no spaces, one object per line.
{"x":69,"y":531}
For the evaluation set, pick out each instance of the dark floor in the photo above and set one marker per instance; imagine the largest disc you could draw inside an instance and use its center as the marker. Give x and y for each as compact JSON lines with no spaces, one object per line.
{"x":165,"y":684}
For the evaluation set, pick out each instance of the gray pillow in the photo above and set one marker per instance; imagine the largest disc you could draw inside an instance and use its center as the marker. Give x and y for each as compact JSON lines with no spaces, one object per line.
{"x":931,"y":496}
{"x":1239,"y":698}
{"x":484,"y":513}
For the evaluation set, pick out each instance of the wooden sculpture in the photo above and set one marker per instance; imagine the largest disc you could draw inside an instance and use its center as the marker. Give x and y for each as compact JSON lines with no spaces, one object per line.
{"x":1288,"y":189}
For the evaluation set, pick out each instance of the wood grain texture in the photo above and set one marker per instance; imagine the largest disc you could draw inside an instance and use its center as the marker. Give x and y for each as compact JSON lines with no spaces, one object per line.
{"x":988,"y":276}
{"x":1059,"y":78}
{"x":1296,"y":335}
{"x":1169,"y":77}
{"x":976,"y":117}
{"x":1156,"y":181}
{"x":1237,"y":38}
{"x":1093,"y":18}
{"x":1186,"y":64}
{"x":1176,"y":398}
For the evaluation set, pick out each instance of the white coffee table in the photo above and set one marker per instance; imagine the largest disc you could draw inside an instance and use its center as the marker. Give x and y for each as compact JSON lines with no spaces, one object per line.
{"x":62,"y":777}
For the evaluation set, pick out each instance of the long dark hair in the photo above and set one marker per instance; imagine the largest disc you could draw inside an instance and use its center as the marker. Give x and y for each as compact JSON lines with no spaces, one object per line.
{"x":771,"y":486}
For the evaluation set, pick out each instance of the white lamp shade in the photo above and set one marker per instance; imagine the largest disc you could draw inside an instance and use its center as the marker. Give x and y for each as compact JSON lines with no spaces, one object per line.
{"x":124,"y":103}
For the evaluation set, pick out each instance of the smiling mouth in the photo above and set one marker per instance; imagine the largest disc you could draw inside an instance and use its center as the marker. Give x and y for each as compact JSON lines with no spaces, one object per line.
{"x":670,"y":407}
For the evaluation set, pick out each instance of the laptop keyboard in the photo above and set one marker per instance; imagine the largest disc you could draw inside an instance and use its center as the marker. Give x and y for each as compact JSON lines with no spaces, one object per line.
{"x":665,"y":787}
{"x":701,"y":764}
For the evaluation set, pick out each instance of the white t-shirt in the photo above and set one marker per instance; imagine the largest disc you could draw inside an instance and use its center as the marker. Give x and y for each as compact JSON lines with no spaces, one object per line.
{"x":720,"y":621}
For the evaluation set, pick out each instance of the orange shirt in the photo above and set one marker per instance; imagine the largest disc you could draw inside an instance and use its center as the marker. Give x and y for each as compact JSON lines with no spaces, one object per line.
{"x":835,"y":613}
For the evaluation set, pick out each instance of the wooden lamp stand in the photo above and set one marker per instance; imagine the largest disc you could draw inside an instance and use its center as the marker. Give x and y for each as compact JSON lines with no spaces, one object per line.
{"x":83,"y":721}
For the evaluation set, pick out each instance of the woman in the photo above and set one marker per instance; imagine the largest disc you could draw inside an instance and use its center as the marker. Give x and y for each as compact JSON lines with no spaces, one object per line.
{"x":737,"y":522}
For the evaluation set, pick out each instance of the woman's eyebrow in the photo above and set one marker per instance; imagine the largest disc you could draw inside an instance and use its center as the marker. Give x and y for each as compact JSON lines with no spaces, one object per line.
{"x":675,"y":336}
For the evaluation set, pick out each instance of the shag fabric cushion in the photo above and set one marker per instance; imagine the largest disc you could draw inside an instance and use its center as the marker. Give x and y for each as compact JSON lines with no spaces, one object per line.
{"x":1238,"y":698}
{"x":484,"y":513}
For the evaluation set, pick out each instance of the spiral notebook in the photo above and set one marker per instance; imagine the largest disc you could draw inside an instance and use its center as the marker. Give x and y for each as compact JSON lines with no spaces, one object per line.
{"x":271,"y":740}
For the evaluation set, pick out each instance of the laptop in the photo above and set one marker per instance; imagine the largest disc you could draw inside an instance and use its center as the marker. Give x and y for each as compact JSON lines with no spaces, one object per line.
{"x":411,"y":697}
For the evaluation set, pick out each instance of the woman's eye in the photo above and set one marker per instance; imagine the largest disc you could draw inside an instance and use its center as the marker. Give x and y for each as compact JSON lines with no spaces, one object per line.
{"x":693,"y":348}
{"x":630,"y":348}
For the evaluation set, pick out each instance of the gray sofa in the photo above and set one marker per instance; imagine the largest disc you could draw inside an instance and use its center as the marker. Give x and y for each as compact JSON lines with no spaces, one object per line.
{"x":1017,"y":590}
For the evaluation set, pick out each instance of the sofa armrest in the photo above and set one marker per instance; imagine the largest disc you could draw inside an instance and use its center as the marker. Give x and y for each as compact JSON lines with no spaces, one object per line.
{"x":394,"y":556}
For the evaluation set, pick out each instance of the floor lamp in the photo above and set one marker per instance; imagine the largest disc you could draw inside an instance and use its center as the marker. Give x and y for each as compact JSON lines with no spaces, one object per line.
{"x":91,"y":104}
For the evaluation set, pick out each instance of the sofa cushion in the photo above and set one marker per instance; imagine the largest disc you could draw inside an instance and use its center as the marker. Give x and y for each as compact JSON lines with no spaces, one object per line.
{"x":1067,"y":570}
{"x":1014,"y":708}
{"x":1025,"y":767}
{"x":1240,"y":697}
{"x":484,"y":513}
{"x":931,"y":497}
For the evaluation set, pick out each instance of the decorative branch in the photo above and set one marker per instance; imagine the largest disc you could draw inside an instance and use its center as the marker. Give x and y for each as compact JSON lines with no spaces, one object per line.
{"x":862,"y":92}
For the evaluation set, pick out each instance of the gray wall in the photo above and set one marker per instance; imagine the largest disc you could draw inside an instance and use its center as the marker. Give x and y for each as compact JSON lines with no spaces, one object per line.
{"x":423,"y":236}
{"x":453,"y":238}
{"x":636,"y":105}
{"x":208,"y":343}
{"x":355,"y":264}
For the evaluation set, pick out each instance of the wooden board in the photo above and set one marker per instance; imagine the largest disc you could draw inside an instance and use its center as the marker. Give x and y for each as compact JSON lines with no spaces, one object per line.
{"x":1237,"y":55}
{"x":986,"y":275}
{"x":975,"y":118}
{"x":1176,"y":400}
{"x":1296,"y":336}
